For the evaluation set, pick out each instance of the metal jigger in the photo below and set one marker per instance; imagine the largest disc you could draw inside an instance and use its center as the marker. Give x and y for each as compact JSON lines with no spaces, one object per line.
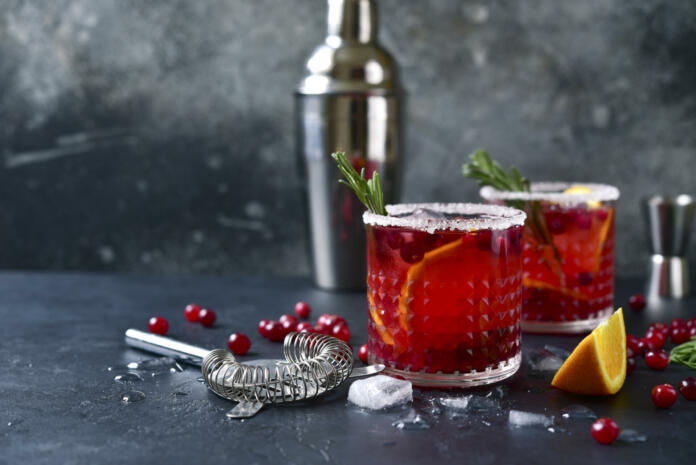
{"x":669,"y":222}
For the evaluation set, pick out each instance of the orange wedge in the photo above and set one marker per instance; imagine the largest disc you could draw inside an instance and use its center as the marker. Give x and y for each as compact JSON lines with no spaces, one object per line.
{"x":597,"y":366}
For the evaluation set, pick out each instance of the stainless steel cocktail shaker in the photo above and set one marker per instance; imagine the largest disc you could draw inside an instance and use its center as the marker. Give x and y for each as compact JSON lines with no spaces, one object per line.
{"x":349,"y":100}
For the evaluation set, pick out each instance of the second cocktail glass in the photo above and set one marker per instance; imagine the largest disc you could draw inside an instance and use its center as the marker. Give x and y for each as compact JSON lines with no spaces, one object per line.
{"x":444,"y":292}
{"x":568,"y":258}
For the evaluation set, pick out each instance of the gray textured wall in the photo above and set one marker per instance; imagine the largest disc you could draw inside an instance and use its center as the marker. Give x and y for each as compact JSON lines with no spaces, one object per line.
{"x":157,"y":135}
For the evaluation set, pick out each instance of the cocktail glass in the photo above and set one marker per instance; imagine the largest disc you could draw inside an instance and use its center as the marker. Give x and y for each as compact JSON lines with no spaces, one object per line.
{"x":444,"y":288}
{"x":568,"y":257}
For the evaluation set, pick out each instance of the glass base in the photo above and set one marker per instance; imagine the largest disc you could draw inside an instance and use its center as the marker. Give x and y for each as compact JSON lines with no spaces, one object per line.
{"x":567,"y":327}
{"x":504,"y":370}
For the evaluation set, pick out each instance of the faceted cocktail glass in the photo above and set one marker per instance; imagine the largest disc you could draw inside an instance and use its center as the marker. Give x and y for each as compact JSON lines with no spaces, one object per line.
{"x":568,"y":257}
{"x":444,"y":292}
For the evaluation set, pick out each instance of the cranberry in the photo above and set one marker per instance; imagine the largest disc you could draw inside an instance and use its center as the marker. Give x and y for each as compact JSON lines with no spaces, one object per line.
{"x":412,"y":252}
{"x":629,"y":352}
{"x":676,"y":323}
{"x":302,"y":309}
{"x":262,"y":327}
{"x":395,"y":240}
{"x":238,"y":343}
{"x":484,"y":240}
{"x":655,"y":339}
{"x":321,"y":330}
{"x":661,"y":327}
{"x":341,"y":331}
{"x":605,"y":430}
{"x":207,"y":317}
{"x":158,"y":325}
{"x":632,"y":342}
{"x":680,"y":334}
{"x":630,"y":365}
{"x":275,"y":331}
{"x":304,"y":325}
{"x":288,"y":326}
{"x":687,"y":387}
{"x":556,"y":222}
{"x":690,"y":323}
{"x":284,"y":318}
{"x":692,"y":332}
{"x":641,"y":346}
{"x":362,"y":353}
{"x":583,"y":220}
{"x":191,"y":312}
{"x":657,"y":359}
{"x":663,"y":395}
{"x":584,"y":278}
{"x":637,"y":302}
{"x":327,"y":322}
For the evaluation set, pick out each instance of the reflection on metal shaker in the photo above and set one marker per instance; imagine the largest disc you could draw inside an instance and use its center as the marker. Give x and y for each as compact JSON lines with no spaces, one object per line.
{"x":349,"y":100}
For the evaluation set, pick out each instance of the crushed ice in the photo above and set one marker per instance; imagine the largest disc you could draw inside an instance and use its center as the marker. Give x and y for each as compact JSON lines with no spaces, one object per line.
{"x":577,"y":411}
{"x":518,"y":418}
{"x":631,"y":435}
{"x":380,"y":392}
{"x":413,"y":421}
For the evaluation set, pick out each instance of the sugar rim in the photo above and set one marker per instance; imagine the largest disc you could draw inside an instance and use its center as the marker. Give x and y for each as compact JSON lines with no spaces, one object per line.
{"x":506,"y":217}
{"x":553,"y":192}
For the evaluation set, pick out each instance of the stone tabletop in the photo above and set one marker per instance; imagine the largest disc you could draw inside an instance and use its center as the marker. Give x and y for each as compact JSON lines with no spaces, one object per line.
{"x":60,"y":333}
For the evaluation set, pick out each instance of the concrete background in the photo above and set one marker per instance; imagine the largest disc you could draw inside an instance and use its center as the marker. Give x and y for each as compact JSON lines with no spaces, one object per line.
{"x":157,"y":136}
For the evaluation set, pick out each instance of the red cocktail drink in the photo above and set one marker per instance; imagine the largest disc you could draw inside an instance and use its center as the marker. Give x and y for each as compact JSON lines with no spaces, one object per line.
{"x":445,"y":292}
{"x":568,"y":258}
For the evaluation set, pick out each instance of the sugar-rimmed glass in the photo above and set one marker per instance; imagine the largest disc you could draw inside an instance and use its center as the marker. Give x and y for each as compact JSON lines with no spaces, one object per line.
{"x":444,"y":292}
{"x":568,"y":258}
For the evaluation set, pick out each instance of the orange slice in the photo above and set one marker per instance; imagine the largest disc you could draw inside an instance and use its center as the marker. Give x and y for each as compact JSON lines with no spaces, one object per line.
{"x":597,"y":366}
{"x":576,"y":189}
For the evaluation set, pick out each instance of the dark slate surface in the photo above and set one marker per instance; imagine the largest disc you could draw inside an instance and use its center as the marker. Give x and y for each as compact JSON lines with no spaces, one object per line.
{"x":59,"y":404}
{"x":158,"y":136}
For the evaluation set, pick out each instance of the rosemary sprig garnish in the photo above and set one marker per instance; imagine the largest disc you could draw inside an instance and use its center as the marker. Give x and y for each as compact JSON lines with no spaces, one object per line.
{"x":369,"y":192}
{"x":489,"y":173}
{"x":685,"y":354}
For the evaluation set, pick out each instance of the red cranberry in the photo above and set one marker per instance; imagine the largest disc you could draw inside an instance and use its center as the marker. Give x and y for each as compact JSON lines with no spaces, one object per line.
{"x":664,"y":395}
{"x":207,"y":317}
{"x":327,"y":322}
{"x":605,"y":430}
{"x":637,"y":302}
{"x":655,"y":339}
{"x":302,"y":309}
{"x":284,"y":318}
{"x":641,"y":346}
{"x":362,"y":353}
{"x":690,"y":323}
{"x":632,"y":342}
{"x":158,"y":325}
{"x":583,"y":220}
{"x":661,"y":327}
{"x":304,"y":325}
{"x":321,"y":330}
{"x":556,"y":222}
{"x":262,"y":327}
{"x":687,"y":387}
{"x":395,"y":240}
{"x":630,"y":365}
{"x":238,"y":343}
{"x":680,"y":334}
{"x":412,"y":252}
{"x":629,"y":352}
{"x":191,"y":312}
{"x":584,"y":278}
{"x":288,"y":326}
{"x":677,"y":323}
{"x":484,"y":240}
{"x":657,"y":359}
{"x":275,"y":331}
{"x":341,"y":331}
{"x":692,"y":332}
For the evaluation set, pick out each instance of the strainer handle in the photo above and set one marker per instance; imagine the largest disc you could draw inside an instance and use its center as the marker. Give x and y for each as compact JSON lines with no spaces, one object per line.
{"x":168,"y":347}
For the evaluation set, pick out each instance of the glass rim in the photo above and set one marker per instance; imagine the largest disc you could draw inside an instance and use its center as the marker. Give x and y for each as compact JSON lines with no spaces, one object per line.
{"x":553,"y":192}
{"x":503,"y":217}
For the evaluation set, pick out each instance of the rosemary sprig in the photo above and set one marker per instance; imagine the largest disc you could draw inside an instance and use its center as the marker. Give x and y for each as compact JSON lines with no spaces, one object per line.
{"x":369,"y":192}
{"x":685,"y":354}
{"x":489,"y":173}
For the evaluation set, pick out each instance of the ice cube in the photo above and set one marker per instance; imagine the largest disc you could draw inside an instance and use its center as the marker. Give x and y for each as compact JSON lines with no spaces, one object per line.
{"x":519,"y":418}
{"x":631,"y":435}
{"x":557,"y":351}
{"x":577,"y":411}
{"x":541,"y":360}
{"x":380,"y":392}
{"x":411,"y":422}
